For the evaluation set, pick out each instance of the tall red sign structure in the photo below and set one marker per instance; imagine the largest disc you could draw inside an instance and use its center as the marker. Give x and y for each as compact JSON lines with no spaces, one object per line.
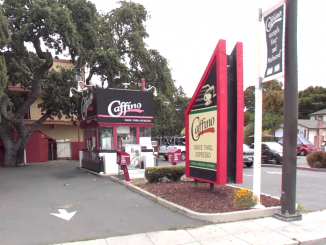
{"x":214,"y":120}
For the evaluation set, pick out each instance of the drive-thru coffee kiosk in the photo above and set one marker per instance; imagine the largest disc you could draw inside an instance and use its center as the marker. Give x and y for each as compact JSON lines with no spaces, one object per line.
{"x":116,"y":120}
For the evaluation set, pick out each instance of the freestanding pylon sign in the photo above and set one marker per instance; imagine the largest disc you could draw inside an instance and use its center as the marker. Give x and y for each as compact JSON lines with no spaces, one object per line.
{"x":214,"y":120}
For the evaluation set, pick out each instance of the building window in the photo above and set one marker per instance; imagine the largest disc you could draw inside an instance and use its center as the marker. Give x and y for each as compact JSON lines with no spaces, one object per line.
{"x":89,"y":139}
{"x":105,"y":136}
{"x":145,"y":132}
{"x":78,"y":76}
{"x":126,"y":135}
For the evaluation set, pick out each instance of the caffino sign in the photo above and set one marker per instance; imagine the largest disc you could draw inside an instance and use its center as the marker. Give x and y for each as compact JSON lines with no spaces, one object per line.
{"x":202,"y":135}
{"x":202,"y":126}
{"x":117,"y":108}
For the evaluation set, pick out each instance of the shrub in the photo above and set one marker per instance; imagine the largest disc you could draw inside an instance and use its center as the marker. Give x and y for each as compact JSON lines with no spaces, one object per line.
{"x":317,"y":159}
{"x":244,"y":198}
{"x":156,"y":174}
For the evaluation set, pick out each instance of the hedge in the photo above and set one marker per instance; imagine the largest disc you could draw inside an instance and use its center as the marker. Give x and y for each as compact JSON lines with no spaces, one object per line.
{"x":156,"y":174}
{"x":317,"y":159}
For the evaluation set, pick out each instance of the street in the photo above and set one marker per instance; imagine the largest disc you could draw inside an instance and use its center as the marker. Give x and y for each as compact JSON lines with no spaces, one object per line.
{"x":311,"y":191}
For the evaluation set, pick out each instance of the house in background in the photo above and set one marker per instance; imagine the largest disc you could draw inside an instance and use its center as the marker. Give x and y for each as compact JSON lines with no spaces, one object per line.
{"x":55,"y":138}
{"x":313,"y":129}
{"x":318,"y":115}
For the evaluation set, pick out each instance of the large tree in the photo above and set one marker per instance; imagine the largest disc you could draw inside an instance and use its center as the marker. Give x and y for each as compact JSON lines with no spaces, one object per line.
{"x":110,"y":45}
{"x":311,"y":99}
{"x":41,"y":25}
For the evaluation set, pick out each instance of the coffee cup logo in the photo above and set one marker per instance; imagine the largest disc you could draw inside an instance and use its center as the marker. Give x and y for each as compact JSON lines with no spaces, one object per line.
{"x":209,"y":94}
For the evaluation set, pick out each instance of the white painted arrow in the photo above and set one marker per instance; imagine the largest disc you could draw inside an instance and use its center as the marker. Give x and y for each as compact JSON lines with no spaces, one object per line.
{"x":63,"y":214}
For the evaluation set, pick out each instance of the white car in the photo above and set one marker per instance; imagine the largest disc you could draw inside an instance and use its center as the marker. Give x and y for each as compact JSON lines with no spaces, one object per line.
{"x":248,"y":156}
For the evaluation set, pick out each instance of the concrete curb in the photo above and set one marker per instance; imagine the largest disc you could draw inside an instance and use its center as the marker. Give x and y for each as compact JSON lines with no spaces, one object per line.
{"x":300,"y":168}
{"x":214,"y":218}
{"x":309,"y":241}
{"x":92,"y":172}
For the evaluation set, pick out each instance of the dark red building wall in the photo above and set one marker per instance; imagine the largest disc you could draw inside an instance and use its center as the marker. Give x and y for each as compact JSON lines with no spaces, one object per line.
{"x":75,"y":148}
{"x":37,"y":148}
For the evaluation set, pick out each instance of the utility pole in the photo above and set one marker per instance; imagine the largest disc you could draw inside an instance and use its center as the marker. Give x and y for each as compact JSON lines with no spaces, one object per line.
{"x":258,"y":124}
{"x":289,"y":168}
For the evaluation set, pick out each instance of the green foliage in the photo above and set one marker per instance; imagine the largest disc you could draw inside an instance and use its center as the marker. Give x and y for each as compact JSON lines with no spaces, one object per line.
{"x":56,"y":85}
{"x":269,"y":121}
{"x":65,"y":26}
{"x":4,"y":31}
{"x":249,"y":99}
{"x":248,"y":117}
{"x":244,"y":198}
{"x":249,"y":130}
{"x":180,"y":104}
{"x":156,"y":174}
{"x":158,"y":74}
{"x":272,"y":85}
{"x":317,"y":159}
{"x":110,"y":45}
{"x":273,"y":102}
{"x":311,"y":99}
{"x":272,"y":108}
{"x":4,"y":39}
{"x":3,"y":74}
{"x":119,"y":54}
{"x":249,"y":93}
{"x":169,"y":114}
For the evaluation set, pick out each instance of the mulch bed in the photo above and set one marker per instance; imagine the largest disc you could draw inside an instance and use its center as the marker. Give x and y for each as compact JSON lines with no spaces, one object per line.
{"x":197,"y":197}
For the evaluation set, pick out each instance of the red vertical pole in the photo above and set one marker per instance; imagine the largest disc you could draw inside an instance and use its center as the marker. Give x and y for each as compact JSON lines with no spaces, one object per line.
{"x":222,"y":120}
{"x":143,"y":84}
{"x":137,"y":134}
{"x":115,"y":136}
{"x":78,"y":129}
{"x":96,"y":136}
{"x":126,"y":173}
{"x":240,"y":114}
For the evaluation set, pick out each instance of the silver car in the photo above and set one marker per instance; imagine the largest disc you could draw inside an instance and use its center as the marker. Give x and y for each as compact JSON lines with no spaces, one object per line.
{"x":248,"y":156}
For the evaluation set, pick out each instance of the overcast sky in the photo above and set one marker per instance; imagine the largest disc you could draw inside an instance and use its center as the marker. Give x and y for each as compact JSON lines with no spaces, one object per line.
{"x":186,"y":32}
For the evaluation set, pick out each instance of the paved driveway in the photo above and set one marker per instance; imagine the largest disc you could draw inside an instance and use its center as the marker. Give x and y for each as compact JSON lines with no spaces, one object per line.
{"x":104,"y":208}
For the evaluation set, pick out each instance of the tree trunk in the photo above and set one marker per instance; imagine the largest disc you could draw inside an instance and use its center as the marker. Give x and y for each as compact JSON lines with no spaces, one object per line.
{"x":21,"y":154}
{"x":14,"y":146}
{"x":14,"y":153}
{"x":11,"y":158}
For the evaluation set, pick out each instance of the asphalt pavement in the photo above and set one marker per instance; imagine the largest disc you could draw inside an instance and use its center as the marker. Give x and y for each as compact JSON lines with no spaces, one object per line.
{"x":55,"y":202}
{"x":29,"y":196}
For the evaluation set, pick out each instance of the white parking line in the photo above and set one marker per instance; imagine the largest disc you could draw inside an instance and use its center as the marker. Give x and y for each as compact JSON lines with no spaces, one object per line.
{"x":274,"y":172}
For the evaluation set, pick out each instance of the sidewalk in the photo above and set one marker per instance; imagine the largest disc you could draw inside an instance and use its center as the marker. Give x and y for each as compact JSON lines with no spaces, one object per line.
{"x":310,"y":230}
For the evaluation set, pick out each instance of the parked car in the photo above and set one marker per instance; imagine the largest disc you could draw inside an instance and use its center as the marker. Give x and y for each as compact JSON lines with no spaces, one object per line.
{"x":305,"y":149}
{"x":248,"y":156}
{"x":304,"y":146}
{"x":166,"y":144}
{"x":272,"y":152}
